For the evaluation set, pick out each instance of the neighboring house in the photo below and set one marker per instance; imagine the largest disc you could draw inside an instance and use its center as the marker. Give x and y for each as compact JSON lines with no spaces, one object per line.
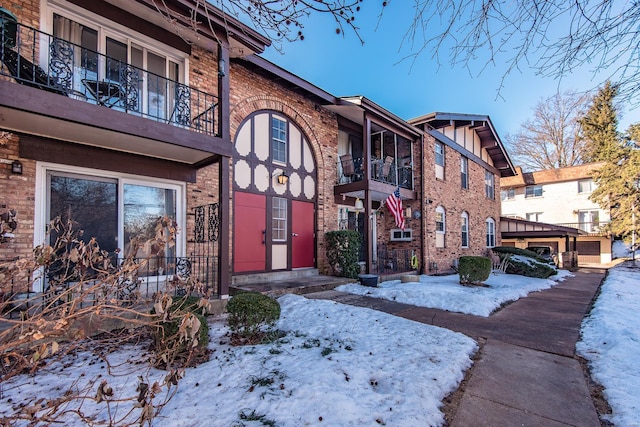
{"x":119,"y":120}
{"x":559,"y":197}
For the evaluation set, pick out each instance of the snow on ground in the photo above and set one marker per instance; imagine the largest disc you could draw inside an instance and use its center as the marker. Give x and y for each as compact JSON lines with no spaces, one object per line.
{"x":340,"y":365}
{"x":337,"y":366}
{"x":446,"y":293}
{"x":610,"y":341}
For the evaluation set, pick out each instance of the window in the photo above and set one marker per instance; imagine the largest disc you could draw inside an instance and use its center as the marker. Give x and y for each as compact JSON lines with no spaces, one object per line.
{"x":534,"y":216}
{"x":279,"y":219}
{"x":101,"y":54}
{"x":589,"y":220}
{"x":439,"y":147}
{"x":585,"y":186}
{"x":464,"y":230}
{"x":533,"y":191}
{"x":398,"y":235}
{"x":440,"y":226}
{"x":115,"y":209}
{"x":491,"y":233}
{"x":464,"y":172}
{"x":489,"y":185}
{"x":279,"y":140}
{"x":508,"y":194}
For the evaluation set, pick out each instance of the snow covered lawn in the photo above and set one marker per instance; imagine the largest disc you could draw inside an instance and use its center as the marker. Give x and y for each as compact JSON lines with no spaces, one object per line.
{"x":610,"y":341}
{"x":337,"y":366}
{"x":446,"y":293}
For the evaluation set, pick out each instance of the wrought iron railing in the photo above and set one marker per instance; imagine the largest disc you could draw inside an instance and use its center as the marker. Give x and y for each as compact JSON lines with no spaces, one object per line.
{"x":391,"y":261}
{"x":135,"y":281}
{"x":40,"y":60}
{"x":351,"y":169}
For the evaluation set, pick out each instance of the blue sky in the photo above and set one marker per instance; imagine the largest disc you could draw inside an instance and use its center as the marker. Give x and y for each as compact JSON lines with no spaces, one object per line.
{"x":342,"y":66}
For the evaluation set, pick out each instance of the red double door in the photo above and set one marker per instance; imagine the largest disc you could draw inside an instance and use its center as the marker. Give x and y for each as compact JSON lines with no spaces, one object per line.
{"x":254,"y":250}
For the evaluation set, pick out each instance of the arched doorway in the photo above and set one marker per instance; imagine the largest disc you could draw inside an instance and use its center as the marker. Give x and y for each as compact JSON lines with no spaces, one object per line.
{"x":274,"y":196}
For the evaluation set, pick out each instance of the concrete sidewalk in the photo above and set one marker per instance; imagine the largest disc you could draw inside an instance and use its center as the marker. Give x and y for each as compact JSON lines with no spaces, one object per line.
{"x":526,"y":373}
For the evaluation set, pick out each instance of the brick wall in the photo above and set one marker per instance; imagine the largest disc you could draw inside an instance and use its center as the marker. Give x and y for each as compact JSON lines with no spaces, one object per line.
{"x":449,"y":194}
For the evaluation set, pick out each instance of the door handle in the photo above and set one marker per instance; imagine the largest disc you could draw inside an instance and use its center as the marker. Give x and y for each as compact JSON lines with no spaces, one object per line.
{"x":264,"y":237}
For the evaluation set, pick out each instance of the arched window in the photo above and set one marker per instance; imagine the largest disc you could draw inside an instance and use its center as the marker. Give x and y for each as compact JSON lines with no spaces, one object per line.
{"x":464,"y":230}
{"x":491,"y":232}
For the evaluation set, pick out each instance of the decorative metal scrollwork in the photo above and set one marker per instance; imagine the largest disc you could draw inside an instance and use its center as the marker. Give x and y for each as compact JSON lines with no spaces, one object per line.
{"x":207,"y":229}
{"x":182,"y":108}
{"x":130,"y":80}
{"x":61,"y":63}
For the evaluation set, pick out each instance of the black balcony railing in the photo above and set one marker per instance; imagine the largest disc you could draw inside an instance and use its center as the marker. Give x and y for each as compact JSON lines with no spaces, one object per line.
{"x":351,"y":169}
{"x":40,"y":60}
{"x":135,"y":281}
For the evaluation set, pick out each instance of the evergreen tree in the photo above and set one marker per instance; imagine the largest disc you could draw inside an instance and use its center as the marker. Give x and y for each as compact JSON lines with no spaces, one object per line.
{"x":599,"y":126}
{"x":619,"y":177}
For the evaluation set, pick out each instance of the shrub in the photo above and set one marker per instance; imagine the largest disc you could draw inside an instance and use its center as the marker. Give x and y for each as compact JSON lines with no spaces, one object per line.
{"x":343,"y":248}
{"x":181,"y":330}
{"x":250,"y":313}
{"x":474,"y":269}
{"x":525,"y":263}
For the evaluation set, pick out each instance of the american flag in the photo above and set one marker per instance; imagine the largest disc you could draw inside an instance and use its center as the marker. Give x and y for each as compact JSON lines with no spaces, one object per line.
{"x":394,"y":203}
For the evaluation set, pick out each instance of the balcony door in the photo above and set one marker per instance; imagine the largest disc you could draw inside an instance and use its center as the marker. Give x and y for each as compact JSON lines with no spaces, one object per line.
{"x":116,"y":71}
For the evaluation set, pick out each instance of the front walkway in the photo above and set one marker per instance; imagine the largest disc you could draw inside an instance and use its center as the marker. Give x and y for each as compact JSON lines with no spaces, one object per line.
{"x":526,"y":373}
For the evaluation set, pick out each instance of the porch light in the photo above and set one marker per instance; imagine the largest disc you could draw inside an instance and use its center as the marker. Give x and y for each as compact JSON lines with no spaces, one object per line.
{"x":16,"y":167}
{"x":283,"y":178}
{"x":359,"y":206}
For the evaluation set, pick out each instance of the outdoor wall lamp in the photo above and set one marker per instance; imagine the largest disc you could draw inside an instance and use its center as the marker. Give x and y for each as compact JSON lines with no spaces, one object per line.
{"x":283,"y":178}
{"x":16,"y":167}
{"x":359,"y":206}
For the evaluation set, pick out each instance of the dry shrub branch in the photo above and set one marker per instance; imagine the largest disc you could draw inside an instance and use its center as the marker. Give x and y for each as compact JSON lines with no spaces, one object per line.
{"x":94,"y":303}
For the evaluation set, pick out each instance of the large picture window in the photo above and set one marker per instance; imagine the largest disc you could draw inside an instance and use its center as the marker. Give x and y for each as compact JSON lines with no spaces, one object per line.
{"x":115,"y":210}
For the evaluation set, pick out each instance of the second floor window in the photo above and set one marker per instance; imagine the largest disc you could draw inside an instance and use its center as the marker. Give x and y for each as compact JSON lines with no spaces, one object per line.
{"x":533,"y":191}
{"x":489,"y":185}
{"x":279,"y":140}
{"x":464,"y":172}
{"x":439,"y":147}
{"x":534,"y":216}
{"x":585,"y":186}
{"x":508,"y":194}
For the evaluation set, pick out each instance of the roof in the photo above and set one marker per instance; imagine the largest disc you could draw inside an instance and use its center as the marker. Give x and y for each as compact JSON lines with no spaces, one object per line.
{"x":521,"y":228}
{"x":550,"y":176}
{"x":489,"y":138}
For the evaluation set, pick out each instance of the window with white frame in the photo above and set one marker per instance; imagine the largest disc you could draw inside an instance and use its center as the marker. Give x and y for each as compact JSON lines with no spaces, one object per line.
{"x":439,"y":152}
{"x":398,"y":235}
{"x":440,"y":226}
{"x":279,"y":139}
{"x":489,"y":185}
{"x":279,"y":219}
{"x":464,"y":172}
{"x":508,"y":194}
{"x":589,"y":220}
{"x":491,"y":232}
{"x":149,"y":86}
{"x":533,"y":191}
{"x":464,"y":230}
{"x":115,"y":209}
{"x":585,"y":186}
{"x":534,"y":216}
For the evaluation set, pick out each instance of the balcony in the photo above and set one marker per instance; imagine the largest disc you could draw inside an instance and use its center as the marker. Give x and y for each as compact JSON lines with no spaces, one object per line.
{"x":62,"y":81}
{"x":386,"y":170}
{"x":592,"y":228}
